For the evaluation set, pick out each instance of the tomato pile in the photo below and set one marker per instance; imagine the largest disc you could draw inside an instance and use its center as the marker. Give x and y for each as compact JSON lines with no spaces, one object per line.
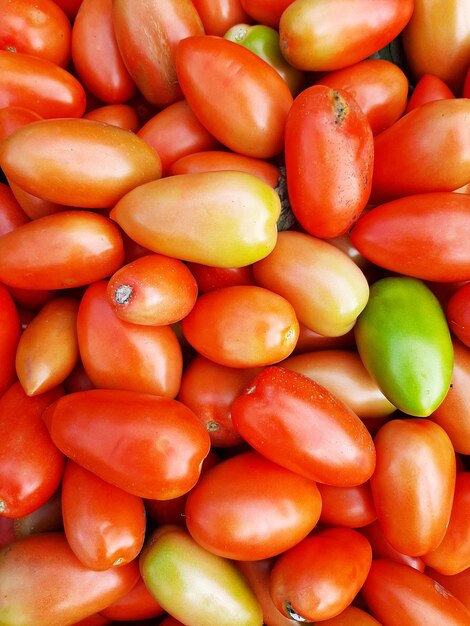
{"x":235,"y":312}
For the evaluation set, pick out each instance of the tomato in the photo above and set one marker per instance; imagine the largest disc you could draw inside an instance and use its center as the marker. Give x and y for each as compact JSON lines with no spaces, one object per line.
{"x":379,"y":87}
{"x":104,"y":525}
{"x":327,"y":290}
{"x":397,"y":594}
{"x":320,"y":576}
{"x":244,"y":105}
{"x":194,"y":585}
{"x":456,"y":584}
{"x":13,"y":117}
{"x":218,"y":16}
{"x":310,"y":340}
{"x":242,"y":326}
{"x":266,"y":11}
{"x":436,"y":128}
{"x":351,"y":507}
{"x":147,"y":36}
{"x":33,"y":206}
{"x":30,"y":464}
{"x":70,"y":7}
{"x":458,"y":313}
{"x":428,"y":88}
{"x":223,"y":510}
{"x":10,"y":333}
{"x":210,"y":278}
{"x":153,"y":290}
{"x":189,"y":217}
{"x":437,"y":40}
{"x":122,"y":115}
{"x":40,"y":85}
{"x":297,"y":423}
{"x":147,"y":445}
{"x":383,"y":549}
{"x":209,"y":389}
{"x":46,"y":518}
{"x":413,"y":484}
{"x":136,"y":605}
{"x":344,"y":375}
{"x":452,"y":555}
{"x":30,"y":566}
{"x":404,"y":342}
{"x":325,"y":35}
{"x":96,"y":163}
{"x":329,"y":153}
{"x":351,"y":616}
{"x":62,"y":250}
{"x":11,"y":214}
{"x":120,"y":355}
{"x":390,"y":234}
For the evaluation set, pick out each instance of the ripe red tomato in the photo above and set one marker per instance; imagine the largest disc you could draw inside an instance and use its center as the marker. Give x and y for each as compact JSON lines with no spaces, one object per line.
{"x":218,"y":16}
{"x":138,"y":604}
{"x":383,"y":549}
{"x":266,"y":12}
{"x":13,"y":117}
{"x":11,"y":213}
{"x":10,"y":332}
{"x":428,"y":88}
{"x":458,"y":313}
{"x":351,"y":507}
{"x":122,"y":115}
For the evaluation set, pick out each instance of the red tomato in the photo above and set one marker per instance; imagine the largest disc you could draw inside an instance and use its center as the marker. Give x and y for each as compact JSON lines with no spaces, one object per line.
{"x":30,"y":566}
{"x":329,"y":152}
{"x":122,"y":115}
{"x":46,"y":518}
{"x":218,"y":16}
{"x":297,"y":423}
{"x":458,"y":584}
{"x":351,"y":616}
{"x":266,"y":12}
{"x":138,"y":604}
{"x":320,"y":576}
{"x":13,"y":117}
{"x":209,"y":278}
{"x":238,"y":508}
{"x":40,"y":85}
{"x":70,"y":7}
{"x":120,"y":355}
{"x":11,"y":213}
{"x":242,"y":326}
{"x":382,"y":549}
{"x":31,"y":466}
{"x":10,"y":333}
{"x":33,"y":206}
{"x":147,"y":445}
{"x":245,"y":103}
{"x":397,"y":594}
{"x":413,"y":483}
{"x":147,"y":35}
{"x":351,"y":507}
{"x":427,"y":89}
{"x":93,"y":38}
{"x":458,"y":312}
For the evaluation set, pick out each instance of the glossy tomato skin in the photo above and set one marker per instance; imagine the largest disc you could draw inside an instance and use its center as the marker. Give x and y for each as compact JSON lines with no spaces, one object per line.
{"x":138,"y":604}
{"x":352,"y":616}
{"x":404,"y":342}
{"x":437,"y":127}
{"x":218,"y":16}
{"x":31,"y":465}
{"x":188,"y":217}
{"x":397,"y":594}
{"x":73,"y":150}
{"x":122,"y":115}
{"x":320,"y":576}
{"x":328,"y":35}
{"x":32,"y":205}
{"x":28,"y":566}
{"x":351,"y":507}
{"x":413,"y":484}
{"x":121,"y":355}
{"x":10,"y":333}
{"x":329,"y":153}
{"x":266,"y":11}
{"x":147,"y":37}
{"x":428,"y":88}
{"x":383,"y":549}
{"x":297,"y":423}
{"x":242,"y":326}
{"x":246,"y":102}
{"x":456,"y":584}
{"x":40,"y":85}
{"x":66,"y":249}
{"x":209,"y":278}
{"x":11,"y":213}
{"x":458,"y":313}
{"x":13,"y":117}
{"x":157,"y":454}
{"x":237,"y":509}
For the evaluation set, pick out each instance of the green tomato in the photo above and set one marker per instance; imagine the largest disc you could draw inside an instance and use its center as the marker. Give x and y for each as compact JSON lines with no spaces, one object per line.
{"x":404,"y":342}
{"x":264,"y":42}
{"x":195,"y":586}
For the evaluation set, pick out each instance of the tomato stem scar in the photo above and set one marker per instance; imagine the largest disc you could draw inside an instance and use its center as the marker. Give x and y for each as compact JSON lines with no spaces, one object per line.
{"x":123,"y":294}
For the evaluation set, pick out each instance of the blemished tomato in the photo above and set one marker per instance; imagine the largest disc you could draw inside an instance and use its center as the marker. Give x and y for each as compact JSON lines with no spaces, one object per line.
{"x":397,"y":594}
{"x":428,"y":88}
{"x":323,"y":35}
{"x":138,"y":604}
{"x":28,"y":567}
{"x":237,"y":509}
{"x":244,"y":105}
{"x":320,"y":576}
{"x":458,"y":313}
{"x":297,"y":423}
{"x":218,"y":16}
{"x":10,"y":333}
{"x":413,"y":484}
{"x":242,"y":326}
{"x":329,"y":154}
{"x":147,"y":445}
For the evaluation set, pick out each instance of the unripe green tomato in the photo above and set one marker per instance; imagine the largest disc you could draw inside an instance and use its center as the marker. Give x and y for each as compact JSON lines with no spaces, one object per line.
{"x":404,"y":342}
{"x":195,"y":586}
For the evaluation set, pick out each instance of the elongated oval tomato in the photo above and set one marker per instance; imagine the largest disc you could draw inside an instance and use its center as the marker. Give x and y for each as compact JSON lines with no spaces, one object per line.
{"x":329,"y":152}
{"x":39,"y":85}
{"x":97,"y":163}
{"x":428,"y":88}
{"x":13,"y":117}
{"x":458,"y":313}
{"x":390,"y":234}
{"x":297,"y":423}
{"x":11,"y":213}
{"x":121,"y":355}
{"x":223,"y":219}
{"x":266,"y":11}
{"x":413,"y":484}
{"x":31,"y":565}
{"x":210,"y":278}
{"x":245,"y":103}
{"x":122,"y":115}
{"x":383,"y":549}
{"x":138,"y":604}
{"x":351,"y":616}
{"x":351,"y":507}
{"x":147,"y":445}
{"x":218,"y":16}
{"x":66,"y":249}
{"x":436,"y":128}
{"x":458,"y":584}
{"x":33,"y":206}
{"x":325,"y":35}
{"x":242,"y":326}
{"x":10,"y":334}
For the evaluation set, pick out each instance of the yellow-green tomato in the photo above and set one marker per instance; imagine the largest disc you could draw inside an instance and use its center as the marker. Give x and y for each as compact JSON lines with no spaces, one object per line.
{"x":404,"y":341}
{"x":221,"y":219}
{"x":195,"y":586}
